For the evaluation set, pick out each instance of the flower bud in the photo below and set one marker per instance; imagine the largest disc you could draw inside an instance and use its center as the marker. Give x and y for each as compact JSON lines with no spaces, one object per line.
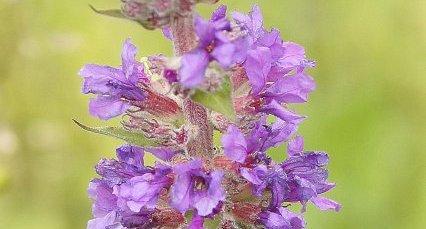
{"x":155,"y":13}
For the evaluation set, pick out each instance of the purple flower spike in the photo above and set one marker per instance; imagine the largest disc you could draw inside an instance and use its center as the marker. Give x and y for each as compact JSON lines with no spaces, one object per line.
{"x":114,"y":87}
{"x":257,"y":75}
{"x":281,"y":218}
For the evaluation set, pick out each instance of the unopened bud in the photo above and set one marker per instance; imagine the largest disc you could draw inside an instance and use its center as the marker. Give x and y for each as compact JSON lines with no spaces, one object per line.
{"x":155,"y":13}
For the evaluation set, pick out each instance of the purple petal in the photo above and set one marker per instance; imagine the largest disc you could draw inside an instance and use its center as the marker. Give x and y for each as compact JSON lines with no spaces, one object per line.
{"x":272,"y":40}
{"x":258,"y":133}
{"x":293,"y":58}
{"x":116,"y":172}
{"x":296,"y":221}
{"x":281,"y":219}
{"x":131,"y":155}
{"x":107,"y":107}
{"x":205,"y":31}
{"x":256,"y":175}
{"x":128,"y":54}
{"x":224,"y":54}
{"x":253,"y":22}
{"x":280,"y":131}
{"x":234,"y":144}
{"x":295,"y":146}
{"x":215,"y":194}
{"x":140,"y":192}
{"x":164,"y":154}
{"x":97,"y":79}
{"x":258,"y":65}
{"x":193,"y":67}
{"x":326,"y":204}
{"x":104,"y":222}
{"x":257,"y":18}
{"x":187,"y":166}
{"x":181,"y":193}
{"x":167,"y":32}
{"x":291,"y":89}
{"x":197,"y":222}
{"x":274,"y":108}
{"x":103,"y":199}
{"x":219,"y":13}
{"x":240,"y":18}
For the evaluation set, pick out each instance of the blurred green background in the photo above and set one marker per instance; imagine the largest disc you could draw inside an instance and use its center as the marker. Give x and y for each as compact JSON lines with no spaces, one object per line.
{"x":368,"y":112}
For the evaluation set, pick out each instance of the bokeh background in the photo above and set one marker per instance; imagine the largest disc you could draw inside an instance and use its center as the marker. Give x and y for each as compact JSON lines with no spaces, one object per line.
{"x":368,"y":112}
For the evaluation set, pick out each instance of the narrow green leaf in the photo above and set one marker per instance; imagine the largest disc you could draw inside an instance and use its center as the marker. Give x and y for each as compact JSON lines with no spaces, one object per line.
{"x":112,"y":13}
{"x":220,"y":101}
{"x":135,"y":138}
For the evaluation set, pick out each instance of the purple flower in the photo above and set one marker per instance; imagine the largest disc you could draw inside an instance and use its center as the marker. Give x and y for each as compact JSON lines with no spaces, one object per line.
{"x":141,"y":191}
{"x":274,"y":67}
{"x":214,"y":44}
{"x":238,"y":147}
{"x":253,"y":22}
{"x":281,"y":218}
{"x":130,"y":164}
{"x":196,"y":189}
{"x":131,"y":155}
{"x":306,"y":176}
{"x":258,"y":65}
{"x":114,"y":87}
{"x":284,"y":56}
{"x":300,"y":178}
{"x":273,"y":179}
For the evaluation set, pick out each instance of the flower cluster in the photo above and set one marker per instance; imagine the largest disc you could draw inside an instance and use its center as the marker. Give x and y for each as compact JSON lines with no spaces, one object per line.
{"x":236,"y":185}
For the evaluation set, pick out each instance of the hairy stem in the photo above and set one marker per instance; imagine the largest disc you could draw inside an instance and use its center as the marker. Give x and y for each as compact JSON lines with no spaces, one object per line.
{"x":184,"y":40}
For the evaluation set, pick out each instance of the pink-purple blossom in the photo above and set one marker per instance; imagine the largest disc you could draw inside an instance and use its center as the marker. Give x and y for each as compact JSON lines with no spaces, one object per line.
{"x":114,"y":87}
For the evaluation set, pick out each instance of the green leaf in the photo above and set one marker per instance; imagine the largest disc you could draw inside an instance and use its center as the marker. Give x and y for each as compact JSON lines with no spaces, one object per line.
{"x":112,"y":13}
{"x":132,"y":137}
{"x":220,"y":100}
